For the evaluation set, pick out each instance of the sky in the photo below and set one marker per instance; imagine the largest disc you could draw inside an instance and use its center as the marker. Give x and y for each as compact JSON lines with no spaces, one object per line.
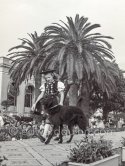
{"x":19,"y":17}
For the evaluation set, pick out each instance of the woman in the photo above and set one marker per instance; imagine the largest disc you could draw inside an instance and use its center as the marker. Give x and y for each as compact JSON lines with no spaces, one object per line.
{"x":51,"y":87}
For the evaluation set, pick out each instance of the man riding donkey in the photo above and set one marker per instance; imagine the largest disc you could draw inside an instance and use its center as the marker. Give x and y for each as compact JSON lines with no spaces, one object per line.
{"x":52,"y":87}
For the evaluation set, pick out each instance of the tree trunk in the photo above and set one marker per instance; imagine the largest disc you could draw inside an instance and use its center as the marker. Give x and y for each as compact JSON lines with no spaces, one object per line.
{"x":37,"y":85}
{"x":84,"y":100}
{"x":106,"y":107}
{"x":73,"y":95}
{"x":105,"y":113}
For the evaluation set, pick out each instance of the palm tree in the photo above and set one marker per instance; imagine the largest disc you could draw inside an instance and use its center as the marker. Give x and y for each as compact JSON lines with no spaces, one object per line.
{"x":26,"y":61}
{"x":82,"y":56}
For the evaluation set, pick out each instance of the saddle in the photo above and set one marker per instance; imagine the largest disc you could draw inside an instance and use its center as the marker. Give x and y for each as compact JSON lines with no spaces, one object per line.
{"x":50,"y":103}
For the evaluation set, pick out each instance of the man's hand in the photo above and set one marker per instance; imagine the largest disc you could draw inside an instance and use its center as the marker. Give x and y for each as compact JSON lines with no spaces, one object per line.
{"x":33,"y":107}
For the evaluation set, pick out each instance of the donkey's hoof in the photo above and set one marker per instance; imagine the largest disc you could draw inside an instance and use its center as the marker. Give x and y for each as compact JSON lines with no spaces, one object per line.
{"x":60,"y":142}
{"x":68,"y":141}
{"x":46,"y":142}
{"x":56,"y":139}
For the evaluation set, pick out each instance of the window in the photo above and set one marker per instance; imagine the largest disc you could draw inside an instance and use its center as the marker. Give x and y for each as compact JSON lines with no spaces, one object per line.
{"x":12,"y":94}
{"x":28,"y":96}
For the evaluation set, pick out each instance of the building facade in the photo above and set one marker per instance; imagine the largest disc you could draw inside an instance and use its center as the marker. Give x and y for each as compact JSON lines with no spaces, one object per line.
{"x":21,"y":103}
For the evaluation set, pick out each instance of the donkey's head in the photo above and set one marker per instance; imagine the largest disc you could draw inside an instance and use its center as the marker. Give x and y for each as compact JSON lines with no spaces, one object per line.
{"x":49,"y":102}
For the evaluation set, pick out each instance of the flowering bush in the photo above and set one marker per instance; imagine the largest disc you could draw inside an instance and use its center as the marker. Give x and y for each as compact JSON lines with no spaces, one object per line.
{"x":91,"y":151}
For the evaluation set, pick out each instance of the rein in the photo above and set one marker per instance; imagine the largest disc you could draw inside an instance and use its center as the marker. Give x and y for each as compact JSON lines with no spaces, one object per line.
{"x":53,"y":107}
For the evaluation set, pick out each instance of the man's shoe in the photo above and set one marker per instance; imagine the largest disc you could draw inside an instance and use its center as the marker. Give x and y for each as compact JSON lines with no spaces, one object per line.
{"x":42,"y":139}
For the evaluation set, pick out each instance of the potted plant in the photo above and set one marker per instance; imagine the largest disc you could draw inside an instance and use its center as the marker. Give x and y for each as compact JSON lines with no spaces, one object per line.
{"x":93,"y":153}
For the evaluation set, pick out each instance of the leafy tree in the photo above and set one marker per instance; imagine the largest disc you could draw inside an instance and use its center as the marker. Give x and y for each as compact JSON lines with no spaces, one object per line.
{"x":116,"y":101}
{"x":26,"y":61}
{"x":5,"y":104}
{"x":80,"y":56}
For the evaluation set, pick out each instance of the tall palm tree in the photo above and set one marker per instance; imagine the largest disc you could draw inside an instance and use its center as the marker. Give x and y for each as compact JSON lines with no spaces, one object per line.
{"x":82,"y":56}
{"x":26,"y":61}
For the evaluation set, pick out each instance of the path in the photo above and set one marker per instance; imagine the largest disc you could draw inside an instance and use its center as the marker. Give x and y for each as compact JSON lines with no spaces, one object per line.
{"x":31,"y":152}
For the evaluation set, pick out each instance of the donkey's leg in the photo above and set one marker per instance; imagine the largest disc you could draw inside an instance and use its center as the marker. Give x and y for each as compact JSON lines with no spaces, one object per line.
{"x":60,"y":134}
{"x":50,"y":135}
{"x":83,"y":127}
{"x":70,"y":127}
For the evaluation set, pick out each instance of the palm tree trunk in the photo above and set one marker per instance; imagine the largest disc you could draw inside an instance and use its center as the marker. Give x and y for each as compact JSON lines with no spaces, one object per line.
{"x":84,"y":99}
{"x":73,"y":95}
{"x":37,"y":85}
{"x":66,"y":98}
{"x":105,"y":107}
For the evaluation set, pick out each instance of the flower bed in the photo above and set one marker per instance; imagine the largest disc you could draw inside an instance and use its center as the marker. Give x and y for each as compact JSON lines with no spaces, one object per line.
{"x":93,"y":153}
{"x":109,"y":161}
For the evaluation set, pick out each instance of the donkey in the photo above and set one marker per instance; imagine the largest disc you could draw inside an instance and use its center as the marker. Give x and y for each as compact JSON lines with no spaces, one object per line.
{"x":59,"y":115}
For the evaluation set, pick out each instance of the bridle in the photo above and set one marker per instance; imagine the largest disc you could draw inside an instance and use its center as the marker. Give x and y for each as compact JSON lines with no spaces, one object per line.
{"x":53,"y":107}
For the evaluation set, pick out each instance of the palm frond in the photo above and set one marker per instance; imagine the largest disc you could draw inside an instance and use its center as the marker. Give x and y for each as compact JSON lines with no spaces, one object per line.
{"x":20,"y":47}
{"x":90,"y":28}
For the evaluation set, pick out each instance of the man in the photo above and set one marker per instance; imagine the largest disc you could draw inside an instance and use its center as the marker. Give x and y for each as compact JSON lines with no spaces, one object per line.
{"x":51,"y":87}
